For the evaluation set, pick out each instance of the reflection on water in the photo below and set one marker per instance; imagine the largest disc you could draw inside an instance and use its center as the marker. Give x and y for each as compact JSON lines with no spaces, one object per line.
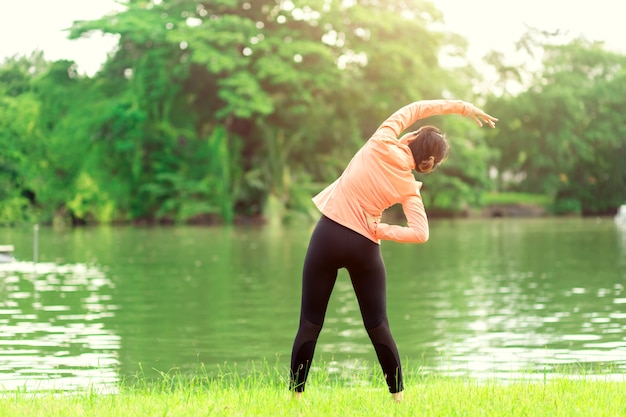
{"x":507,"y":300}
{"x":484,"y":298}
{"x":506,"y":342}
{"x":52,"y":323}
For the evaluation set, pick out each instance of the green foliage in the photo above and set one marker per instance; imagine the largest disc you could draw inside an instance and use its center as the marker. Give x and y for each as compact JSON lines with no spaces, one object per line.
{"x":564,"y":136}
{"x":62,"y":145}
{"x":18,"y":130}
{"x":16,"y":73}
{"x":90,"y":203}
{"x":461,"y":178}
{"x":206,"y":111}
{"x":212,"y":193}
{"x":516,"y":198}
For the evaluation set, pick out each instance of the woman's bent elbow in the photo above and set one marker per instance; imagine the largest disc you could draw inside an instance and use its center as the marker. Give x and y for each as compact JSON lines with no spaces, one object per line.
{"x":421,"y":237}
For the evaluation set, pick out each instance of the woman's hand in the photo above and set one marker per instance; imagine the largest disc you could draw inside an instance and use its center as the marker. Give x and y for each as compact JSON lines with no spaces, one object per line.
{"x":480,"y":116}
{"x":372,"y":222}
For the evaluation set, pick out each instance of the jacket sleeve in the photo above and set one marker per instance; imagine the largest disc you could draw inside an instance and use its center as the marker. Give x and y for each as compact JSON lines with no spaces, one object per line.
{"x":417,"y":230}
{"x":409,"y":114}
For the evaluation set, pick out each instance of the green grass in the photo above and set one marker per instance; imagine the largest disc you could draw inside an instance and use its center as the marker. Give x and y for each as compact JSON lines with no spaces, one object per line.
{"x":516,"y":198}
{"x":263,"y":392}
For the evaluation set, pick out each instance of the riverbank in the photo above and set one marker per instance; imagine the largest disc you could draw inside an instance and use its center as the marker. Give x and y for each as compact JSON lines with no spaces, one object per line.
{"x":266,"y":396}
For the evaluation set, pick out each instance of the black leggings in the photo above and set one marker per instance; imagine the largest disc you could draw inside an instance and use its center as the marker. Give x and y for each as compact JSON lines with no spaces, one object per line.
{"x":332,"y":247}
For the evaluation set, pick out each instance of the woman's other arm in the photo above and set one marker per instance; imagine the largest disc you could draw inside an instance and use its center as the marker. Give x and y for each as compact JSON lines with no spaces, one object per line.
{"x":409,"y":114}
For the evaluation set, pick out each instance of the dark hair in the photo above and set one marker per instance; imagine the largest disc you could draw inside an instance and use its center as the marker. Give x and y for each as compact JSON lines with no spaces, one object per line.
{"x":429,"y":142}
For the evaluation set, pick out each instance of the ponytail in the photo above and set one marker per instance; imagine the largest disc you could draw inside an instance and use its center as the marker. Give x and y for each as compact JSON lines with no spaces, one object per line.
{"x":429,"y":148}
{"x":426,"y":165}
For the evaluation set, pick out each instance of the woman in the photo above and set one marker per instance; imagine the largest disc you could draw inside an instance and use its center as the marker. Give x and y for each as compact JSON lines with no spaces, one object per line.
{"x":349,"y":232}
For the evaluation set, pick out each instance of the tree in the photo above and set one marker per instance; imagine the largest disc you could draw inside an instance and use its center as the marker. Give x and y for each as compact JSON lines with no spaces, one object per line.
{"x":272,"y":96}
{"x":19,"y":109}
{"x":562,"y":136}
{"x":208,"y":110}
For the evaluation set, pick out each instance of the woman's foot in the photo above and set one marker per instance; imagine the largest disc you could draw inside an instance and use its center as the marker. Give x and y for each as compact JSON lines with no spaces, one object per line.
{"x":398,"y":396}
{"x":297,"y":395}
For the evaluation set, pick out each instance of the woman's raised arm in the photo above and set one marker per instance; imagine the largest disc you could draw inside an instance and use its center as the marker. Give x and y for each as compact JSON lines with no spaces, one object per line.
{"x":409,"y":114}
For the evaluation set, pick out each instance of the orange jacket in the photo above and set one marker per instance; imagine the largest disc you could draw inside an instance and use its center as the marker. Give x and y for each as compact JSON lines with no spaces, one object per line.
{"x":380,"y":175}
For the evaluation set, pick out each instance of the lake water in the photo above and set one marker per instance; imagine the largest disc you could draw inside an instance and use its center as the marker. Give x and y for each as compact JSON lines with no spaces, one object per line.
{"x":483,"y":298}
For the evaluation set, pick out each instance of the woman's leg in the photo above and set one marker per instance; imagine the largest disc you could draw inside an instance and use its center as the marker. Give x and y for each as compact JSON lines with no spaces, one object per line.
{"x":367,"y":272}
{"x":318,"y":279}
{"x":332,"y":247}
